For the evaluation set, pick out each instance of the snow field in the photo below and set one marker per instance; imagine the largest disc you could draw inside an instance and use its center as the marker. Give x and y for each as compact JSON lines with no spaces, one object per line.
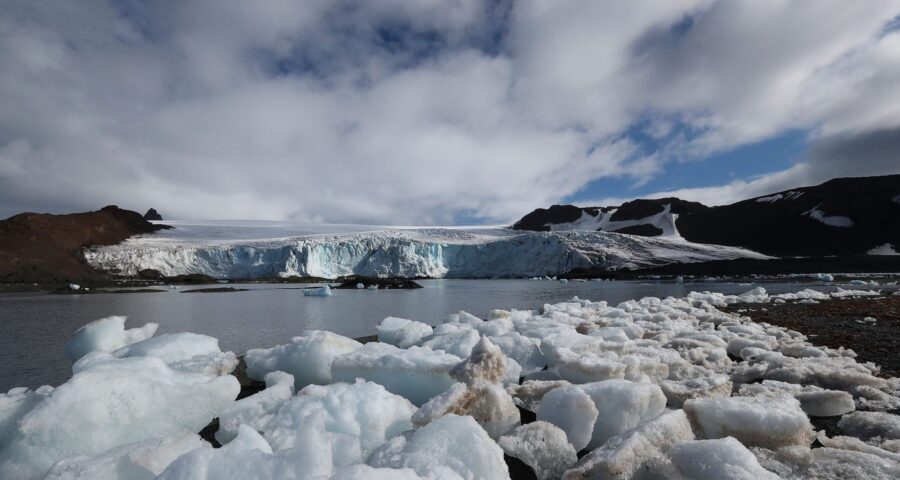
{"x":650,"y":388}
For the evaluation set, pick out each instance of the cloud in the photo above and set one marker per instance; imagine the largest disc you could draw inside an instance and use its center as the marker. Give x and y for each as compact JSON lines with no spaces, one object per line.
{"x":420,"y":111}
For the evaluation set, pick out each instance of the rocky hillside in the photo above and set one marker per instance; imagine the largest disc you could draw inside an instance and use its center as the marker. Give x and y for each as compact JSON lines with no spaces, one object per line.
{"x":844,"y":216}
{"x":44,"y":248}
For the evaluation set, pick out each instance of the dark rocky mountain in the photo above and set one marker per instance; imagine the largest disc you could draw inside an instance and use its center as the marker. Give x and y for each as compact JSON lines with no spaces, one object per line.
{"x":844,"y":216}
{"x":45,"y":248}
{"x":152,"y":214}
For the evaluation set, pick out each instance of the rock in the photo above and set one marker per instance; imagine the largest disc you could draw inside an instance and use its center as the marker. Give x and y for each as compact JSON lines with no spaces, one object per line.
{"x":152,"y":214}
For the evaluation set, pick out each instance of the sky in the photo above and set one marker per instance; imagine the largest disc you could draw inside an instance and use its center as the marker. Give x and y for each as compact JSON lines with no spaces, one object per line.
{"x":425,"y":112}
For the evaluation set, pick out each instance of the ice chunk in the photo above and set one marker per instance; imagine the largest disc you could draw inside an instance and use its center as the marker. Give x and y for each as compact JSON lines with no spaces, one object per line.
{"x":824,"y":277}
{"x":455,"y":339}
{"x":524,"y":350}
{"x":187,"y":352}
{"x":258,"y":409}
{"x":358,"y":417}
{"x":528,"y":395}
{"x":105,"y":335}
{"x":866,"y":425}
{"x":308,"y":357}
{"x":111,"y":402}
{"x":705,"y":387}
{"x":622,"y":405}
{"x":449,"y":447}
{"x":543,"y":447}
{"x":724,"y":458}
{"x":486,"y":363}
{"x":365,"y":472}
{"x":416,"y":373}
{"x":815,"y":401}
{"x":643,"y":450}
{"x":769,"y":422}
{"x":572,"y":410}
{"x":851,"y":443}
{"x":135,"y":461}
{"x":14,"y":405}
{"x":489,"y":404}
{"x":401,"y":332}
{"x":323,"y":291}
{"x":249,"y":457}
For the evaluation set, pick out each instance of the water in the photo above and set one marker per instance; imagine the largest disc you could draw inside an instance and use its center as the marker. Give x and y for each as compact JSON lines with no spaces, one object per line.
{"x":35,"y":326}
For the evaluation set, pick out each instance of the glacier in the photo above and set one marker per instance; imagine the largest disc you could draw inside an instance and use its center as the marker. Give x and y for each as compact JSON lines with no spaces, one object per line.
{"x":433,"y":252}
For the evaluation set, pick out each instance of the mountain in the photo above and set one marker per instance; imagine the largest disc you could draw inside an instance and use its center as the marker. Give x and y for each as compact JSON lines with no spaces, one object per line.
{"x":844,"y":216}
{"x":152,"y":214}
{"x":392,"y":252}
{"x":44,"y":248}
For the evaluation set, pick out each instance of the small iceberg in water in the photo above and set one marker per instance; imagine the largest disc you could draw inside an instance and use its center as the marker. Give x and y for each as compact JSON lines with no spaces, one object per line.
{"x":324,"y":291}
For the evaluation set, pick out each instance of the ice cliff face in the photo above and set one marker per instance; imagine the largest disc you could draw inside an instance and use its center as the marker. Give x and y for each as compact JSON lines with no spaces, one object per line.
{"x":425,"y":252}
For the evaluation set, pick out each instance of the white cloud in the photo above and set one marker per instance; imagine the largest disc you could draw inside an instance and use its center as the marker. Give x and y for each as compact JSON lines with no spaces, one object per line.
{"x":411,"y":111}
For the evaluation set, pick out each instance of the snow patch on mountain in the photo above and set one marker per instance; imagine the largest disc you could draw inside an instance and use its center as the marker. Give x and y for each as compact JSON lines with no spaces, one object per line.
{"x":830,"y":220}
{"x":885,"y":249}
{"x":792,"y":195}
{"x":664,"y":220}
{"x":405,"y":252}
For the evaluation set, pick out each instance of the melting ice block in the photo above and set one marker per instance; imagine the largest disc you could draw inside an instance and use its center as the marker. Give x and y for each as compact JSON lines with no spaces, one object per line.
{"x":572,"y":410}
{"x":416,"y":373}
{"x":768,"y":422}
{"x":308,"y":357}
{"x":622,"y":405}
{"x":448,"y":447}
{"x":110,"y":402}
{"x":722,"y":458}
{"x":187,"y":352}
{"x":543,"y":447}
{"x":642,"y":450}
{"x":257,"y":409}
{"x":871,"y":424}
{"x":135,"y":461}
{"x":401,"y":332}
{"x":105,"y":335}
{"x":358,"y":417}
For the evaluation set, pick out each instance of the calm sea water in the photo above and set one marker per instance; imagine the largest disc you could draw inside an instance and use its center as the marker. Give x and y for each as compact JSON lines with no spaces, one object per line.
{"x":34,"y":326}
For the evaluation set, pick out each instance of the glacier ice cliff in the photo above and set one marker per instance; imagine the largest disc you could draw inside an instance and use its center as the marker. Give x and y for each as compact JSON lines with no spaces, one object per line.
{"x":419,"y":252}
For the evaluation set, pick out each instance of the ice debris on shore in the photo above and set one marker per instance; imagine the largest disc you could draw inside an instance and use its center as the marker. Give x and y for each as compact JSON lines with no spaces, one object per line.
{"x":650,"y":388}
